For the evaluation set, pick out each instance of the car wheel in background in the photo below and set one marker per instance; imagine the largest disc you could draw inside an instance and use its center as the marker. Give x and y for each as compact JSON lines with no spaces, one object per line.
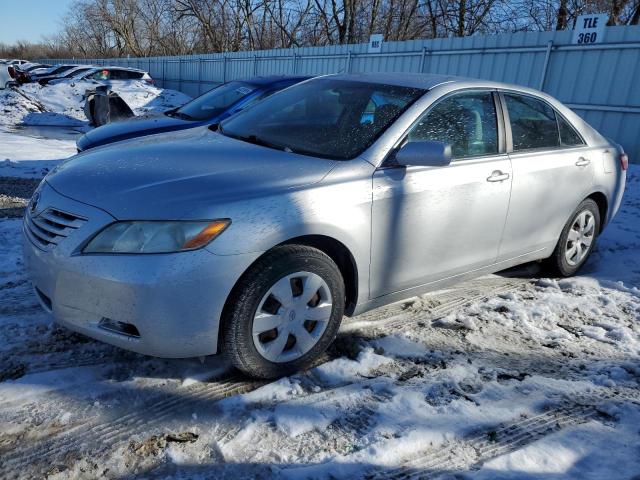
{"x":284,"y":312}
{"x":577,"y":240}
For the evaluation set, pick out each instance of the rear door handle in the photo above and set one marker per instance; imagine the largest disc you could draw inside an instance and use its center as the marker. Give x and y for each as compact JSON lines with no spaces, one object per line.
{"x":498,"y":176}
{"x":583,"y":162}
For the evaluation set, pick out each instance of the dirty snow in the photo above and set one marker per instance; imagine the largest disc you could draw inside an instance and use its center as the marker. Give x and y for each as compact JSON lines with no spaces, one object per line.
{"x":509,"y":376}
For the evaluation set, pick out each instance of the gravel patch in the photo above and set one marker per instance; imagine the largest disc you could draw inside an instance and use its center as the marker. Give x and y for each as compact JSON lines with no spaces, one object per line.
{"x":15,"y":194}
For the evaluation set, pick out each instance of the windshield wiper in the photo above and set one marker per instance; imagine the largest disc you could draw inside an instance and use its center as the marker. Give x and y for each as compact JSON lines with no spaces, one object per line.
{"x":253,"y":139}
{"x":177,"y":114}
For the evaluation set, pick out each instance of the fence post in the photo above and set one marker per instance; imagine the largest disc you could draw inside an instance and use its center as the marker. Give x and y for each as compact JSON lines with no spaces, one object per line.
{"x":545,"y":66}
{"x":423,"y":57}
{"x":255,"y":65}
{"x":295,"y":61}
{"x":224,"y":69}
{"x":199,"y":76}
{"x":349,"y":61}
{"x":180,"y":75}
{"x":164,"y":80}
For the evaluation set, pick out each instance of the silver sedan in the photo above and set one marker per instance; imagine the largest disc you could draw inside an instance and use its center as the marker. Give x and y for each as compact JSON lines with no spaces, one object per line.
{"x":330,"y":198}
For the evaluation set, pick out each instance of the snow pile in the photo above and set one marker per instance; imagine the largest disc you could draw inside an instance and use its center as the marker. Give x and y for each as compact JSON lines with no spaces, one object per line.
{"x":144,"y":98}
{"x":15,"y":106}
{"x":61,"y":99}
{"x":66,"y":98}
{"x":62,"y":104}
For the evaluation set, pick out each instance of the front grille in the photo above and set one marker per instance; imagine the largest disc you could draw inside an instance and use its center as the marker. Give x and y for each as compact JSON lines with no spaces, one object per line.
{"x":50,"y":226}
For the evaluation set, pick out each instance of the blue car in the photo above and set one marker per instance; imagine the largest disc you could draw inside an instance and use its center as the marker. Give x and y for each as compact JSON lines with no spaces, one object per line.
{"x":207,"y":109}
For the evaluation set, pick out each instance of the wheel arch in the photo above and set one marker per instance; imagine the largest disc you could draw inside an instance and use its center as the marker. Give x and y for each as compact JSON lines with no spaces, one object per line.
{"x":603,"y":206}
{"x":342,"y":257}
{"x":335,"y":249}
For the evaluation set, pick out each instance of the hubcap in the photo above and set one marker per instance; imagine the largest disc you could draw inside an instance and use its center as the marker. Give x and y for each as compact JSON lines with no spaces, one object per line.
{"x":580,"y":238}
{"x":292,"y":316}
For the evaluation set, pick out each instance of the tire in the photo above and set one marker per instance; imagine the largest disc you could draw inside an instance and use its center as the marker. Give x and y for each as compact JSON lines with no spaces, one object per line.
{"x":293,"y":270}
{"x":563,"y":263}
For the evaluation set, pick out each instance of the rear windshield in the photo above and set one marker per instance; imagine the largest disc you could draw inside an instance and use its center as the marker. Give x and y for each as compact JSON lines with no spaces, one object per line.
{"x":327,"y":118}
{"x":216,"y":101}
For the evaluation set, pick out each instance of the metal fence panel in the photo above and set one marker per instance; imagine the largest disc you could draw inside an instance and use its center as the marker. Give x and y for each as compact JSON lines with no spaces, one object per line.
{"x":600,"y":82}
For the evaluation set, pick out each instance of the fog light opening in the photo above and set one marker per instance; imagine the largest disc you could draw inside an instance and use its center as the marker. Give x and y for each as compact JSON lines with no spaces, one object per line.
{"x":122,"y":328}
{"x":44,"y":300}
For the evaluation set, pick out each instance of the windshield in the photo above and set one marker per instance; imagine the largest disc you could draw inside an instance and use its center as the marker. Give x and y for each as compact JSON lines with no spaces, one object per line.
{"x":326,"y":118}
{"x":215,"y":102}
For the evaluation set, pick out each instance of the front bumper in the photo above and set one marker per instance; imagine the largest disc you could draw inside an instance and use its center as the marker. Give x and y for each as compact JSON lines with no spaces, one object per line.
{"x":174,"y":300}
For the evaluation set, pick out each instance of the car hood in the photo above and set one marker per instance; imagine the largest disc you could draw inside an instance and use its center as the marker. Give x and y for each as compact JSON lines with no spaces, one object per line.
{"x":134,"y":127}
{"x":186,"y":174}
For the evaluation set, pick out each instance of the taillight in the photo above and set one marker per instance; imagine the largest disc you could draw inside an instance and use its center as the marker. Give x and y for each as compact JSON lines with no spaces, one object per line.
{"x":12,"y":72}
{"x":150,"y":81}
{"x":624,"y":161}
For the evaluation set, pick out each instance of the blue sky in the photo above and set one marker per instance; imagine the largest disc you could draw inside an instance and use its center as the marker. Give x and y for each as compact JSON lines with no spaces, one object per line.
{"x":30,"y":19}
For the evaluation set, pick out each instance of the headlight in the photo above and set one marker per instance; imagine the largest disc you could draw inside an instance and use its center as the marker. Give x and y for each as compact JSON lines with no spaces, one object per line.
{"x":155,"y":237}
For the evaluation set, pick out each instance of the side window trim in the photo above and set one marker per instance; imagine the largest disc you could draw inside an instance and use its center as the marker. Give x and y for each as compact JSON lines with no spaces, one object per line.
{"x":500,"y":126}
{"x":509,"y":135}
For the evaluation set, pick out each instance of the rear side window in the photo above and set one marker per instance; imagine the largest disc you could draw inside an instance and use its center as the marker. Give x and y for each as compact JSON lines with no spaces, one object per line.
{"x":568,"y":135}
{"x":125,"y":75}
{"x":533,"y":123}
{"x":466,"y":121}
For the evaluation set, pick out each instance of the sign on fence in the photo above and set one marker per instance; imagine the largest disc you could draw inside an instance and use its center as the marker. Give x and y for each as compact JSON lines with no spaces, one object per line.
{"x":590,"y":28}
{"x":375,"y":43}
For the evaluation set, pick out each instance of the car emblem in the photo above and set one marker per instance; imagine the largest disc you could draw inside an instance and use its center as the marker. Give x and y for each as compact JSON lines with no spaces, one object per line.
{"x":34,"y":202}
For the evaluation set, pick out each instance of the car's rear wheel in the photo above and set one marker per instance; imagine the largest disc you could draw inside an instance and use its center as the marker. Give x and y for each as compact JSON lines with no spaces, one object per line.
{"x":284,"y":312}
{"x":577,"y":240}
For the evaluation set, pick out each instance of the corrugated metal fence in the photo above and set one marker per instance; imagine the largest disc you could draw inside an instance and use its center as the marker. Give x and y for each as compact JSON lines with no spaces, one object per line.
{"x":600,"y":81}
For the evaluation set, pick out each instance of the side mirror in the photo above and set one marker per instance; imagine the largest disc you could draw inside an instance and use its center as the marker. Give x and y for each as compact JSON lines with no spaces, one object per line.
{"x":425,"y":154}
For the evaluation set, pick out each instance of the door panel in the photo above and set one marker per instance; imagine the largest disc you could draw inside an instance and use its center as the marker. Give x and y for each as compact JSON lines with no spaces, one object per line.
{"x":431,"y":223}
{"x":552,"y":173}
{"x":546,"y":188}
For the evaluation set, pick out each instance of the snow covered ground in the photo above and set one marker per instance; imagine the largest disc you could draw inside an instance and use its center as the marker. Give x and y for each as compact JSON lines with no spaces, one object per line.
{"x":509,"y":376}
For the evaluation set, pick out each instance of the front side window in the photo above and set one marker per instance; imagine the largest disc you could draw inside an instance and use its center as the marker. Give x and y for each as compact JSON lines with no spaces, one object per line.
{"x":216,"y":101}
{"x":466,"y":121}
{"x":327,"y":118}
{"x":533,"y":123}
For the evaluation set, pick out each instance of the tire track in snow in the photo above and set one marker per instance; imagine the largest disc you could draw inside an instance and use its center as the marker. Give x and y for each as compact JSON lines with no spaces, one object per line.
{"x":476,"y":449}
{"x":104,"y":435}
{"x":447,"y":302}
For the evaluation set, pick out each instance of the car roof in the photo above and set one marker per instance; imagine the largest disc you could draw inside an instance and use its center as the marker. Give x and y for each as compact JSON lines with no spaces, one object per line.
{"x":272,"y":79}
{"x":412,"y":80}
{"x":427,"y":81}
{"x":117,"y":67}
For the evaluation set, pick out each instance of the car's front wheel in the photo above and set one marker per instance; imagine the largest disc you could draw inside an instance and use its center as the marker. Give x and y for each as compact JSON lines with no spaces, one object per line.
{"x":284,"y":312}
{"x":577,"y":240}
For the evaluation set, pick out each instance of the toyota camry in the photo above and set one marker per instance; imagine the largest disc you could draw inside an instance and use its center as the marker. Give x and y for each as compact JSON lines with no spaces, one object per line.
{"x":335,"y":196}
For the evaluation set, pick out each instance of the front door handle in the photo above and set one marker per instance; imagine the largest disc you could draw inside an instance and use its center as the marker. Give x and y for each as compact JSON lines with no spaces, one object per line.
{"x":583,"y":162}
{"x":497,"y":176}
